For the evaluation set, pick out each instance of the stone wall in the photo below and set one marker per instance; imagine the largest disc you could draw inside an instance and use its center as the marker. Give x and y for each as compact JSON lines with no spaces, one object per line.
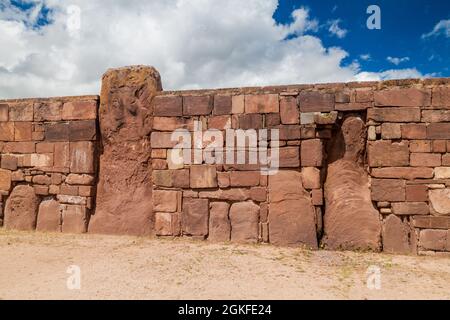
{"x":48,"y":163}
{"x":363,"y":166}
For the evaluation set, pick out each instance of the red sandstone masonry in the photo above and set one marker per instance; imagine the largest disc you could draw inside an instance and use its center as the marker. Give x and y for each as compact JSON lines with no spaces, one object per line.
{"x":49,"y":152}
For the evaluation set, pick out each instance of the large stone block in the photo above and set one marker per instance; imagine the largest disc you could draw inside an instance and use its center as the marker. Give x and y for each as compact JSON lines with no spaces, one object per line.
{"x":82,"y":130}
{"x":389,"y":114}
{"x":197,"y":105}
{"x":195,"y":217}
{"x":172,"y":123}
{"x":244,"y":178}
{"x":47,"y":111}
{"x":219,"y":222}
{"x":5,"y":180}
{"x":410,"y":208}
{"x":22,"y":131}
{"x":388,"y":154}
{"x":59,"y":131}
{"x":74,"y":219}
{"x":165,"y":200}
{"x":438,"y":131}
{"x":222,"y":105}
{"x":167,"y":224}
{"x":434,"y":240}
{"x":82,"y":157}
{"x":168,"y":106}
{"x":6,"y":131}
{"x":408,"y":97}
{"x":49,"y":216}
{"x":396,"y":235}
{"x":436,"y":115}
{"x":244,"y":217}
{"x":289,"y":112}
{"x":291,"y":213}
{"x":21,"y":112}
{"x":441,"y":97}
{"x":312,"y":153}
{"x":21,"y":209}
{"x":388,"y":190}
{"x":440,"y":200}
{"x":408,"y":173}
{"x":203,"y":176}
{"x":79,"y":110}
{"x":262,"y":103}
{"x":311,"y":101}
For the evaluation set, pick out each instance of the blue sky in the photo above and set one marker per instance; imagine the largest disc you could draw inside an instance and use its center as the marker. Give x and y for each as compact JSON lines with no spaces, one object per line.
{"x":403,"y":24}
{"x":63,"y":47}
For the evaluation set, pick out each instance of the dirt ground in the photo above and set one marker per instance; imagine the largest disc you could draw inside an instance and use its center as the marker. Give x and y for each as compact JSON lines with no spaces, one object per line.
{"x":34,"y":266}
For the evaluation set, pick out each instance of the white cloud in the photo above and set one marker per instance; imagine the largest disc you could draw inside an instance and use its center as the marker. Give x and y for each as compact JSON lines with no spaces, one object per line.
{"x":365,"y":57}
{"x":194,"y":44}
{"x":441,"y":28}
{"x":397,"y":61}
{"x":336,"y":30}
{"x":390,"y":74}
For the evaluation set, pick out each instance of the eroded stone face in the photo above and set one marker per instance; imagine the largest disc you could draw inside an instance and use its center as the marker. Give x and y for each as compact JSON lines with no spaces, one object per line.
{"x":440,"y":201}
{"x":21,"y":209}
{"x":49,"y":216}
{"x":244,"y":218}
{"x":291,"y":213}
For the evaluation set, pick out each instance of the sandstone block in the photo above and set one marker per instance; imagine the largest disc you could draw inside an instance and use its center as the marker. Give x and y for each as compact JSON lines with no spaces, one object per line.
{"x":168,"y":106}
{"x":311,"y":177}
{"x":258,"y":194}
{"x":238,"y":104}
{"x":430,"y":222}
{"x":250,"y":121}
{"x":312,"y":153}
{"x":165,"y":201}
{"x":388,"y":190}
{"x":442,"y":173}
{"x":80,"y":179}
{"x":21,"y":209}
{"x":62,"y":155}
{"x":244,"y":178}
{"x":387,"y":154}
{"x":82,"y":157}
{"x":172,"y":123}
{"x":5,"y":180}
{"x":203,"y":176}
{"x":410,"y":208}
{"x":395,"y":235}
{"x":167,"y":224}
{"x":433,"y":240}
{"x":440,"y":201}
{"x":414,"y":131}
{"x":289,"y":112}
{"x":222,"y":105}
{"x":21,"y":112}
{"x":425,"y":160}
{"x":22,"y":131}
{"x":223,"y":179}
{"x":4,"y":112}
{"x":408,"y":173}
{"x":197,"y":105}
{"x":79,"y":110}
{"x":50,"y":111}
{"x":6,"y":131}
{"x":74,"y":219}
{"x":311,"y":101}
{"x":272,"y":120}
{"x":408,"y":97}
{"x":389,"y":114}
{"x":436,"y":115}
{"x":262,"y":103}
{"x":235,"y":194}
{"x":416,"y":193}
{"x":82,"y":130}
{"x":219,"y":222}
{"x":418,"y":146}
{"x":49,"y":216}
{"x":244,"y":217}
{"x":181,"y":178}
{"x":290,"y":157}
{"x":441,"y":97}
{"x":9,"y":162}
{"x":162,"y":140}
{"x":195,"y":217}
{"x":438,"y":131}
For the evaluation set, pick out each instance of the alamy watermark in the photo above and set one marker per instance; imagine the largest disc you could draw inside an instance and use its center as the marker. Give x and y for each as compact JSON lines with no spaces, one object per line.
{"x":374,"y":20}
{"x":236,"y":146}
{"x":74,"y":280}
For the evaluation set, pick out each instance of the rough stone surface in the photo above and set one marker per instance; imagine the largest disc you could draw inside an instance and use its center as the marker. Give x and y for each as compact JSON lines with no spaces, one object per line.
{"x":21,"y":209}
{"x":350,"y":221}
{"x":195,"y":217}
{"x":75,"y":219}
{"x":291,"y":213}
{"x":219,"y":222}
{"x":244,"y":217}
{"x":49,"y":216}
{"x":440,"y":200}
{"x":124,"y":190}
{"x":396,"y":235}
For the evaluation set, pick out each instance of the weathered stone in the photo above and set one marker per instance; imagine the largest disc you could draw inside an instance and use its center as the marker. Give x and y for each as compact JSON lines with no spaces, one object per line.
{"x":219,"y":222}
{"x":436,"y":115}
{"x":71,"y":199}
{"x":42,"y":179}
{"x":440,"y":200}
{"x":6,"y":131}
{"x":197,"y":105}
{"x":168,"y":106}
{"x":387,"y":154}
{"x":222,"y":105}
{"x":289,"y":112}
{"x":223,"y":179}
{"x":441,"y":97}
{"x":262,"y":103}
{"x":219,"y":122}
{"x":311,"y":177}
{"x":195,"y":217}
{"x":4,"y":112}
{"x":388,"y":114}
{"x":312,"y":153}
{"x":391,"y":131}
{"x":50,"y":111}
{"x":258,"y":194}
{"x":420,"y":146}
{"x":439,"y":146}
{"x":21,"y":112}
{"x":350,"y":221}
{"x":250,"y":121}
{"x":410,"y":208}
{"x":74,"y":219}
{"x":172,"y":123}
{"x":235,"y":194}
{"x":433,"y":240}
{"x":124,"y":189}
{"x":438,"y":131}
{"x":353,"y":106}
{"x":244,"y":217}
{"x":79,"y":110}
{"x":80,"y":179}
{"x":396,"y":235}
{"x":9,"y":162}
{"x":403,"y":173}
{"x":416,"y":193}
{"x":58,"y":131}
{"x":442,"y":173}
{"x":291,"y":213}
{"x":82,"y":157}
{"x":41,"y":190}
{"x":405,"y":97}
{"x":203,"y":176}
{"x":388,"y":190}
{"x":22,"y":131}
{"x":289,"y":132}
{"x":82,"y":130}
{"x":244,"y":178}
{"x":311,"y":101}
{"x":289,"y":157}
{"x":167,"y":224}
{"x":5,"y":180}
{"x":21,"y":209}
{"x":49,"y":216}
{"x":425,"y":159}
{"x":430,"y":222}
{"x":165,"y":200}
{"x":237,"y":104}
{"x":272,"y":120}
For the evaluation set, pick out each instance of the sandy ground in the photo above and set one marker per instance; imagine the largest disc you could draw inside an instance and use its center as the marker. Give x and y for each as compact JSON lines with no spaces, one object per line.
{"x":34,"y":266}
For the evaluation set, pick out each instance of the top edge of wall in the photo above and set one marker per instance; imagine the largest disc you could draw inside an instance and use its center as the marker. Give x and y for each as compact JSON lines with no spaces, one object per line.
{"x":376,"y":85}
{"x":53,"y":99}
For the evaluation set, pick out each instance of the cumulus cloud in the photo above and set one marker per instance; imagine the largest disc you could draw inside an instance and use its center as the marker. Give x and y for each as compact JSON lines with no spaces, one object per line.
{"x":336,"y":30}
{"x":397,"y":61}
{"x":194,"y":44}
{"x":365,"y":57}
{"x":441,"y":28}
